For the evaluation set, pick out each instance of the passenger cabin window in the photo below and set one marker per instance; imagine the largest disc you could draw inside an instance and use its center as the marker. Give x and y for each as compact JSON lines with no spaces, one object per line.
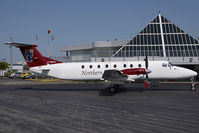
{"x":131,"y":65}
{"x":82,"y":66}
{"x":115,"y":66}
{"x":139,"y":65}
{"x":91,"y":66}
{"x":98,"y":66}
{"x":124,"y":65}
{"x":106,"y":66}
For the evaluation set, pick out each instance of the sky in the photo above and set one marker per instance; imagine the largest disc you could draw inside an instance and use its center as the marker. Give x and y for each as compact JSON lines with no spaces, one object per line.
{"x":74,"y":22}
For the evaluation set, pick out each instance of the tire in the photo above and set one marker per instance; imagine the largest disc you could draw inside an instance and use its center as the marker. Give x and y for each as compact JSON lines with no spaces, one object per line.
{"x":114,"y":88}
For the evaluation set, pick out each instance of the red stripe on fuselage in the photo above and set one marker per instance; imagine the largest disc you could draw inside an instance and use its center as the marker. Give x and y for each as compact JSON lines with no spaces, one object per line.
{"x":134,"y":71}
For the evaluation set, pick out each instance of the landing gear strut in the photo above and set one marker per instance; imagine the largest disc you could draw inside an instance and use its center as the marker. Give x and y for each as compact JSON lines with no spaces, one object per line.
{"x":193,"y":88}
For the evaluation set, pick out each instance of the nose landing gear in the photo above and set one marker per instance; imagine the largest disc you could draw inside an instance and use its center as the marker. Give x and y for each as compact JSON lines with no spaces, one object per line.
{"x":193,"y":88}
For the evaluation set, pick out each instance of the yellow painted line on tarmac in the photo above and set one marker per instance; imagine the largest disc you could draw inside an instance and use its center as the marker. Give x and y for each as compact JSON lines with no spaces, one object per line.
{"x":182,"y":82}
{"x":42,"y":79}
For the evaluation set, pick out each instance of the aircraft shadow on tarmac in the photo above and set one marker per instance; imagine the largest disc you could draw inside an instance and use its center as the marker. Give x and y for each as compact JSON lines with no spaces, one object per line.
{"x":105,"y":92}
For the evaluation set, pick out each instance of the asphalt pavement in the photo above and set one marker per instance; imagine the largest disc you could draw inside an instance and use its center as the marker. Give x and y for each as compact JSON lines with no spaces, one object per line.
{"x":31,"y":107}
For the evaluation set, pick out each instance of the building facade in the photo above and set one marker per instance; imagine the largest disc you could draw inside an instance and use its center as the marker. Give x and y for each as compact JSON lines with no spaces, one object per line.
{"x":87,"y":52}
{"x":162,"y":39}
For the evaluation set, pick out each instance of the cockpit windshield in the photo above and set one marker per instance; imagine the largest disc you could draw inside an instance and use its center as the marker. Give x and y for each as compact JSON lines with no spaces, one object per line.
{"x":167,"y":65}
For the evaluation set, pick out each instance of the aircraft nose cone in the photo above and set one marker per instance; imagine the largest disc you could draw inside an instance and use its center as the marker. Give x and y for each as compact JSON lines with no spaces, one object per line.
{"x":191,"y":73}
{"x":194,"y":73}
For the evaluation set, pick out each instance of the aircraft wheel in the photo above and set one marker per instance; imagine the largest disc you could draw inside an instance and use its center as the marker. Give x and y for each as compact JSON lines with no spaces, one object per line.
{"x":114,"y":88}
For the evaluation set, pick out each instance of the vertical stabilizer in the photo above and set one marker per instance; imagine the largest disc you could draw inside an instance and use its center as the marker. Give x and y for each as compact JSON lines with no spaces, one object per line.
{"x":32,"y":56}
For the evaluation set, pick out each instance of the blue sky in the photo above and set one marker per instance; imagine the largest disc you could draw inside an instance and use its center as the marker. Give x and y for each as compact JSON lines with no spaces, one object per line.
{"x":83,"y":21}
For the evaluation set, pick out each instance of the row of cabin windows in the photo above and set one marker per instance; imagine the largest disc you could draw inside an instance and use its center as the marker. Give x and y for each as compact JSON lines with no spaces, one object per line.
{"x":115,"y":66}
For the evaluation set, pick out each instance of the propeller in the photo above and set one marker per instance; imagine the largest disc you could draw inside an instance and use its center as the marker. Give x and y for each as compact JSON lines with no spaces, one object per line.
{"x":146,"y":62}
{"x":146,"y":65}
{"x":147,"y":71}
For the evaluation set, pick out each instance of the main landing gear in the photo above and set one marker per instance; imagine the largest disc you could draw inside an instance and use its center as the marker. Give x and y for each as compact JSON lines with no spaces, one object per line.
{"x":112,"y":90}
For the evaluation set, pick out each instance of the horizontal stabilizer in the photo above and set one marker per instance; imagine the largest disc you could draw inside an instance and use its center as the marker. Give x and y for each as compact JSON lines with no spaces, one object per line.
{"x":18,"y":45}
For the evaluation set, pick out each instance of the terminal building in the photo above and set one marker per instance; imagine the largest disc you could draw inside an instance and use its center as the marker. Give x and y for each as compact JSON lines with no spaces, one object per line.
{"x":88,"y":52}
{"x":159,"y":40}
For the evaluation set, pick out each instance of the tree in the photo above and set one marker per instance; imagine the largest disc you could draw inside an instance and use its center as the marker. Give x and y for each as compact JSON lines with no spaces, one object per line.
{"x":3,"y":66}
{"x":25,"y":67}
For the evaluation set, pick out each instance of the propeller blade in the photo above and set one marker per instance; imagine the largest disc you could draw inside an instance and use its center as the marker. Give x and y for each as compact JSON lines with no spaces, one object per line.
{"x":147,"y":76}
{"x":146,"y":62}
{"x":146,"y":84}
{"x":146,"y":65}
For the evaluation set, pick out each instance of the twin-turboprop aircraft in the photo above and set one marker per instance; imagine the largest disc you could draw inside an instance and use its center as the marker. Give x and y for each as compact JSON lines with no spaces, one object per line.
{"x":115,"y":72}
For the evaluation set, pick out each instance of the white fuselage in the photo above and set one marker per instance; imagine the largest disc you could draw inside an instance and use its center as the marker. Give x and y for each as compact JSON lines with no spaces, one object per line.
{"x":95,"y":70}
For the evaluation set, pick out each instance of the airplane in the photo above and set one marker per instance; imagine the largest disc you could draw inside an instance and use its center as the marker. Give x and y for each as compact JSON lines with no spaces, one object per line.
{"x":114,"y":72}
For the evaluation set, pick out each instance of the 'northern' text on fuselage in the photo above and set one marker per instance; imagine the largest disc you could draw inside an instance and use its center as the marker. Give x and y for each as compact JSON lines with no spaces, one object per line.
{"x":92,"y":72}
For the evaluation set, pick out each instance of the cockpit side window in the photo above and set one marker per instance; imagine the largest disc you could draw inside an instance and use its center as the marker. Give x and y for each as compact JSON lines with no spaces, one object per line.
{"x":164,"y":64}
{"x":167,"y":65}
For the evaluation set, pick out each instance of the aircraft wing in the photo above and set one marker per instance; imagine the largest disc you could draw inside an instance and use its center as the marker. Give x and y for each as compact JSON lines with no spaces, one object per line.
{"x":114,"y":75}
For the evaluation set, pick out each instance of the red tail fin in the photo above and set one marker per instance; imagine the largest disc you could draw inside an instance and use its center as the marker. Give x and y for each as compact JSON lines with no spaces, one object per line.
{"x":32,"y":56}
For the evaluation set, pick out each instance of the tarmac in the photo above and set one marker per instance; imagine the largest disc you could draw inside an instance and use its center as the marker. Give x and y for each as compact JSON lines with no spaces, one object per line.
{"x":69,"y":107}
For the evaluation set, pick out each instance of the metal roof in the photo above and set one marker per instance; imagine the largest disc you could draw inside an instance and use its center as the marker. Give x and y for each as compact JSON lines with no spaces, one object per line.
{"x":96,"y":44}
